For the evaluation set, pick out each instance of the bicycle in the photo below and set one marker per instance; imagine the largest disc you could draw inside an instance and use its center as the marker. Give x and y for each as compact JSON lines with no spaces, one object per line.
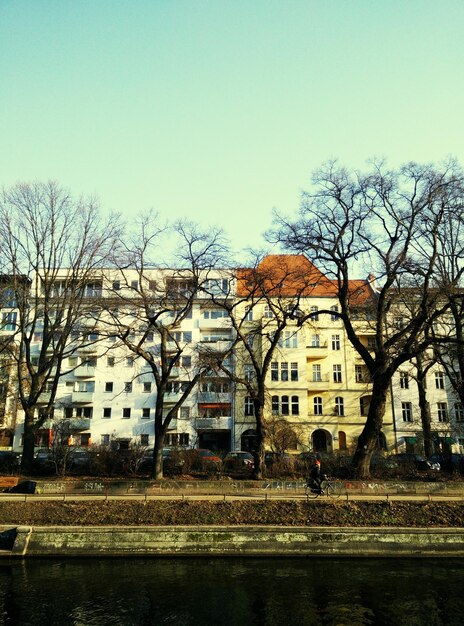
{"x":328,"y":488}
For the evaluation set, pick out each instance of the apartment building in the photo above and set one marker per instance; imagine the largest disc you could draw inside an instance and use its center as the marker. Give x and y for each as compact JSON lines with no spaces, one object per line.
{"x":446,"y":411}
{"x":317,"y":386}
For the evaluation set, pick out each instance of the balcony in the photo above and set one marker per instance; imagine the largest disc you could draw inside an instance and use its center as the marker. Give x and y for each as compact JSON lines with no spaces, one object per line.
{"x":213,"y":396}
{"x":85,"y":371}
{"x":219,"y":346}
{"x":321,"y":382}
{"x":213,"y":423}
{"x":44,"y":397}
{"x":316,"y":352}
{"x":214,"y":324}
{"x":82,"y":397}
{"x":79,"y":423}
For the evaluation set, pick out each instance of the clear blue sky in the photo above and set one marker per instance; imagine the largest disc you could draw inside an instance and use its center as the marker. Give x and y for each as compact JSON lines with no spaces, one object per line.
{"x":220,"y":110}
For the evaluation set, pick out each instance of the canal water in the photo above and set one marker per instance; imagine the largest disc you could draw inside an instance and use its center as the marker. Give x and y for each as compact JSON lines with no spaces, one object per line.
{"x":223,"y":592}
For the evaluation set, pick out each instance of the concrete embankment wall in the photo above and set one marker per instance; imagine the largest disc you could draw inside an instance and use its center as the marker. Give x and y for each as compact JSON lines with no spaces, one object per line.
{"x":53,"y":541}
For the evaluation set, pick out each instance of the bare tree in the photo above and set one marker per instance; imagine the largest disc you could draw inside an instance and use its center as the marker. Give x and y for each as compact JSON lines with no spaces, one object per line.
{"x":388,"y":222}
{"x":148,"y":307}
{"x":53,"y":249}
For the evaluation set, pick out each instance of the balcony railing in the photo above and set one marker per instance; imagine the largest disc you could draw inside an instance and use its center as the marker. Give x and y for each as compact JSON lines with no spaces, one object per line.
{"x":213,"y":423}
{"x":82,"y":397}
{"x":213,"y":396}
{"x":219,"y":323}
{"x":79,"y":423}
{"x":316,"y":352}
{"x":85,"y":371}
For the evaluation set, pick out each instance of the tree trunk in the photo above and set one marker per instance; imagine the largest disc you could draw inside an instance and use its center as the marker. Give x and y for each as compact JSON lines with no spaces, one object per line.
{"x":424,"y":408}
{"x":260,"y":440}
{"x":27,"y":460}
{"x":369,"y":438}
{"x":158,"y":449}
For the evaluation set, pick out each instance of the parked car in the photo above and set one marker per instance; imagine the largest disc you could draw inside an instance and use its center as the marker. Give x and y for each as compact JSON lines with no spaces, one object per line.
{"x":408,"y":460}
{"x":43,"y":458}
{"x":449,"y":462}
{"x":238,"y":460}
{"x":9,"y":460}
{"x":173,"y":460}
{"x":80,"y":459}
{"x":206,"y":460}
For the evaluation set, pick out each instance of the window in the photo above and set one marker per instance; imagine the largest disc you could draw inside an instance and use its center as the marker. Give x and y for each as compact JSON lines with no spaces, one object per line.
{"x":335,"y":342}
{"x":249,"y":408}
{"x":130,"y":361}
{"x":275,"y":405}
{"x":317,"y":405}
{"x":107,"y":412}
{"x":145,"y":413}
{"x":186,"y":361}
{"x":364,"y":404}
{"x":315,"y":341}
{"x":439,"y":380}
{"x":116,"y":285}
{"x":295,"y":405}
{"x":342,"y":440}
{"x":217,"y":286}
{"x":406,"y":411}
{"x":274,"y":370}
{"x":9,"y":320}
{"x":314,"y":310}
{"x":334,"y":317}
{"x":146,"y":387}
{"x":284,"y":371}
{"x":248,"y":314}
{"x":284,"y":405}
{"x":128,"y":387}
{"x":177,"y":439}
{"x":337,"y":373}
{"x":149,"y":337}
{"x":72,"y":361}
{"x":339,"y":406}
{"x":126,"y":413}
{"x":442,"y":408}
{"x":398,"y":322}
{"x":184,"y":412}
{"x":404,"y":380}
{"x":294,"y":372}
{"x":358,"y":373}
{"x":268,"y":312}
{"x":84,"y":411}
{"x":110,"y":361}
{"x":134,"y":284}
{"x":459,"y":412}
{"x":187,"y":336}
{"x":249,"y":372}
{"x":317,"y":376}
{"x":144,"y":440}
{"x":214,"y":314}
{"x":108,"y":387}
{"x":105,"y":440}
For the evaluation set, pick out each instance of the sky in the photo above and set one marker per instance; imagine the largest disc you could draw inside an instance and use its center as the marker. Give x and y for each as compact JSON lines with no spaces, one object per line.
{"x":217,"y":111}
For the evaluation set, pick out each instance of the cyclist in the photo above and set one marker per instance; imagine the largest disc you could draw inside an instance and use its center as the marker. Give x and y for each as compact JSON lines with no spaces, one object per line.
{"x":316,"y":476}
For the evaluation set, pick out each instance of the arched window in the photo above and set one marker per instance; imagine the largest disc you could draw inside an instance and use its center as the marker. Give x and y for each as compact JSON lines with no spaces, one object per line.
{"x":285,"y":405}
{"x":317,"y":405}
{"x":275,"y":405}
{"x":342,"y":440}
{"x":295,"y":405}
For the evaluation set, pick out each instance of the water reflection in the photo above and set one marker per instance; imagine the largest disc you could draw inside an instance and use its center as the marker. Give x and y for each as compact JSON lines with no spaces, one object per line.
{"x":265,"y":592}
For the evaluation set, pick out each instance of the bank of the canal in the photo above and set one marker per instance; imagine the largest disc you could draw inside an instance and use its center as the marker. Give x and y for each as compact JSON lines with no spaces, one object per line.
{"x":241,"y":528}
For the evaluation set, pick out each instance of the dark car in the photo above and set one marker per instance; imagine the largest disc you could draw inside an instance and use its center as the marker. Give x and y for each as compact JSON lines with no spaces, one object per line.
{"x":206,"y":460}
{"x":449,"y":462}
{"x":9,"y":460}
{"x":173,"y":460}
{"x":238,"y":460}
{"x":80,"y":459}
{"x":411,"y":461}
